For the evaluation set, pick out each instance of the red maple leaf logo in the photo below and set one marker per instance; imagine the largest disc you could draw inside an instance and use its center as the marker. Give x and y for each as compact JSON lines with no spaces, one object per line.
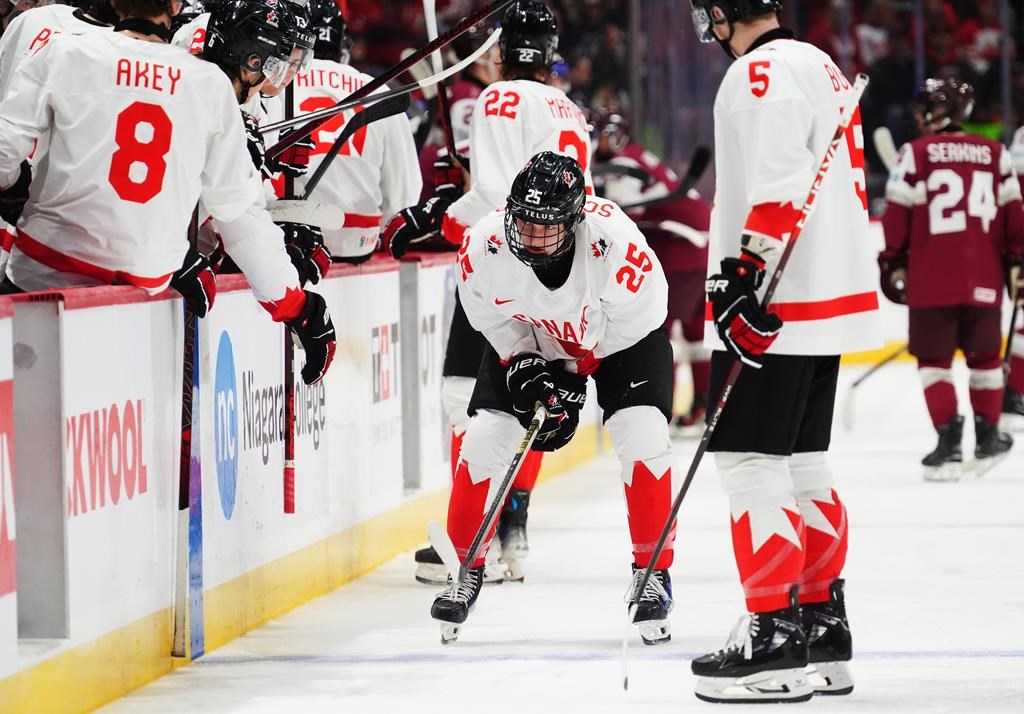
{"x":568,"y":178}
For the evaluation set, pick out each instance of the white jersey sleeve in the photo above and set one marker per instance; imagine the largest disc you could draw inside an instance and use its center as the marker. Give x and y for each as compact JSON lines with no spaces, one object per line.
{"x":401,"y":180}
{"x":1017,"y":152}
{"x":25,"y":114}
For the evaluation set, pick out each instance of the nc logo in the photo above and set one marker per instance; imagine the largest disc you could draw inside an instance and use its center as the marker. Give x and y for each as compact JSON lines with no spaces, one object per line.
{"x":225,"y":425}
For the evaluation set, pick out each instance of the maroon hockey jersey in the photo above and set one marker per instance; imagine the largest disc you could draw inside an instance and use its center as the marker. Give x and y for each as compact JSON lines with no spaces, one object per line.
{"x":954,"y":209}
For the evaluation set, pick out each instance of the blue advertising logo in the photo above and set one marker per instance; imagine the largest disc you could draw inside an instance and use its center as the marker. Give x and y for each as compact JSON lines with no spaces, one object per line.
{"x":225,"y":420}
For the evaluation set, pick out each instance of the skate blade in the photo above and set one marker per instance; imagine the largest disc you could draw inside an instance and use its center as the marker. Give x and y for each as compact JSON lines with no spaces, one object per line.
{"x":947,"y":473}
{"x":431,"y":574}
{"x":449,"y":633}
{"x":980,"y":467}
{"x":655,"y":632}
{"x":780,"y":686}
{"x":830,"y":678}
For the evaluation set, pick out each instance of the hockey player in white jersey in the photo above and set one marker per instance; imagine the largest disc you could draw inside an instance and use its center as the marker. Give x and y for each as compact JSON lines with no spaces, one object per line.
{"x":564,"y":287}
{"x":377,"y":172}
{"x":140,"y":133}
{"x":775,"y":115}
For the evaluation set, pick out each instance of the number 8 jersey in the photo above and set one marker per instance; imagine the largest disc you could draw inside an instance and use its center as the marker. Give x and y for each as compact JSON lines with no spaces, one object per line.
{"x":775,"y":115}
{"x":139,"y":131}
{"x":512,"y":122}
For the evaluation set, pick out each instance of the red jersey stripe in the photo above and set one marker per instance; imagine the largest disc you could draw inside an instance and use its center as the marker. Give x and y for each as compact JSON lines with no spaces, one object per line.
{"x":820,"y":310}
{"x":358,"y":220}
{"x":772,"y":219}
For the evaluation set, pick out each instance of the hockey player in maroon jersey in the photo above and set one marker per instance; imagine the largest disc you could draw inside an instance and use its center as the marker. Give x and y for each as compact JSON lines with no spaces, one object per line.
{"x":775,"y":115}
{"x":954,"y":228}
{"x":683,"y":251}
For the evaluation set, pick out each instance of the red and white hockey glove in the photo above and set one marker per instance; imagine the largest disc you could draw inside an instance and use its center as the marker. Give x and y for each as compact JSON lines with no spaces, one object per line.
{"x":305,"y":246}
{"x":293,"y":161}
{"x":315,"y":332}
{"x":451,"y":177}
{"x":892,"y":267}
{"x":413,"y":224}
{"x":744,"y":327}
{"x":196,"y":282}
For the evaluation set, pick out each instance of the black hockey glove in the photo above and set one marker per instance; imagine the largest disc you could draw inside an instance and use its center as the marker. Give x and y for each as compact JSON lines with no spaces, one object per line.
{"x":893,"y":269}
{"x":196,"y":282}
{"x":254,"y":143}
{"x":413,"y":224}
{"x":530,"y":381}
{"x":450,"y":177}
{"x":293,"y":161}
{"x":14,"y":197}
{"x":572,"y":395}
{"x":305,"y":246}
{"x":744,"y":327}
{"x":315,"y":332}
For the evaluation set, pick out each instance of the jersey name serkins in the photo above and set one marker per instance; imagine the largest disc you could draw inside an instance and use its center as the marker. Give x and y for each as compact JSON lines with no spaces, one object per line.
{"x":960,"y":153}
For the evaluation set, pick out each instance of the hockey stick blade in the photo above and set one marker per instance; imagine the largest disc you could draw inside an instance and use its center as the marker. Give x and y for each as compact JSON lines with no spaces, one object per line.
{"x":459,"y":29}
{"x":609,"y":169}
{"x":442,"y":543}
{"x":312,"y":213}
{"x":694,"y":172}
{"x":885,"y":147}
{"x":680,"y":230}
{"x":421,"y":73}
{"x":375,"y":112}
{"x":859,"y":85}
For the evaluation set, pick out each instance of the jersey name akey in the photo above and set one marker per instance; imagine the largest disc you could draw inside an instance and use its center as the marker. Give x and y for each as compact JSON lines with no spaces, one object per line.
{"x":147,"y":75}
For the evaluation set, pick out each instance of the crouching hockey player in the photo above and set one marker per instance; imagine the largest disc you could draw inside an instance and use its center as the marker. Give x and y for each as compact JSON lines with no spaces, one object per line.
{"x":564,"y":288}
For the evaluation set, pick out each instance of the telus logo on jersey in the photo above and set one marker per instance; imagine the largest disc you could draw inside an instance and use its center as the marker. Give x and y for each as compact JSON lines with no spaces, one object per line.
{"x":384,"y":358}
{"x":107,"y":443}
{"x":225,"y":425}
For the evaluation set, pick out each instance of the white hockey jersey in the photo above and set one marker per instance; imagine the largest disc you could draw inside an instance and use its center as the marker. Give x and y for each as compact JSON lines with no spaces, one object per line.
{"x":139,"y":132}
{"x":377,"y":172}
{"x":615,"y":295}
{"x":1017,"y":152}
{"x":512,"y":122}
{"x":775,"y":115}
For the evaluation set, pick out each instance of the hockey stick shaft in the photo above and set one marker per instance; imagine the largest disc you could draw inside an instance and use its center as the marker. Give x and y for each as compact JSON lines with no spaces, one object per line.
{"x":444,"y":106}
{"x":180,"y":637}
{"x":288,"y":476}
{"x":503,"y":489}
{"x":375,"y":112}
{"x":393,"y":72}
{"x":859,"y":85}
{"x":891,"y":357}
{"x":694,"y":172}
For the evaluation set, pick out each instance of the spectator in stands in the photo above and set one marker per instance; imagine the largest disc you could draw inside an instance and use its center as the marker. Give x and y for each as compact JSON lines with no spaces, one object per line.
{"x":872,"y":34}
{"x":979,"y":38}
{"x":832,"y":34}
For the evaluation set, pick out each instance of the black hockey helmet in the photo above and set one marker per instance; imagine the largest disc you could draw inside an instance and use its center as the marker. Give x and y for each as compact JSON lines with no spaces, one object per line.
{"x":529,"y":36}
{"x":300,"y":29}
{"x":611,"y":122}
{"x":544,"y":207}
{"x":945,"y":103}
{"x":333,"y":41}
{"x":102,"y":10}
{"x":255,"y":35}
{"x":705,"y":17}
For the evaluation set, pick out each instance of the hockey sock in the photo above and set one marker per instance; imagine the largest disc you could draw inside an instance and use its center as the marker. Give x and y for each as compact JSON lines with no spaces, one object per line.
{"x":987,"y":385}
{"x":939,"y":393}
{"x":466,"y":510}
{"x":456,"y":450}
{"x":825,"y":525}
{"x":1016,"y":382}
{"x":767,"y":528}
{"x":526,"y":479}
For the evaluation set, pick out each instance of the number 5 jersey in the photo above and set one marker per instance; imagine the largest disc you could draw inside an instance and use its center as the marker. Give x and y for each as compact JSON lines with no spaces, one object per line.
{"x":615,"y":294}
{"x":775,"y":114}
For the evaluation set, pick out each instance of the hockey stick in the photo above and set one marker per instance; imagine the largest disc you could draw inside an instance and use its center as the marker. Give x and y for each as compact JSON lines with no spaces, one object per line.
{"x":439,"y":536}
{"x":179,"y":638}
{"x":420,"y":72}
{"x":312,"y":213}
{"x":375,"y":112}
{"x":848,"y":403}
{"x":847,"y":116}
{"x":366,"y":90}
{"x":885,"y":147}
{"x":444,"y":109}
{"x":421,"y":130}
{"x":609,"y":169}
{"x":698,"y":165}
{"x":289,"y":356}
{"x":681,"y":230}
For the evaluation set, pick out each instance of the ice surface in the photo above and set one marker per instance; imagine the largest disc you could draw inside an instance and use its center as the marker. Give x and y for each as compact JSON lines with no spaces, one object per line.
{"x":934,"y":582}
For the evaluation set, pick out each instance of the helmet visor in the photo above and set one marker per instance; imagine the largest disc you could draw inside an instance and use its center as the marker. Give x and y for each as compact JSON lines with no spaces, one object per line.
{"x":703,"y":24}
{"x":537,"y":244}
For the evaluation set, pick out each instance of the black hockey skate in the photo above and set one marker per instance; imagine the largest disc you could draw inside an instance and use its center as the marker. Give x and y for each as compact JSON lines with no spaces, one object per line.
{"x":1013,"y":411}
{"x":431,"y":570}
{"x":945,"y":464}
{"x":453,"y":605}
{"x":512,"y":533}
{"x":830,"y":645}
{"x":763,"y":661}
{"x":654,"y":605}
{"x":992,"y":445}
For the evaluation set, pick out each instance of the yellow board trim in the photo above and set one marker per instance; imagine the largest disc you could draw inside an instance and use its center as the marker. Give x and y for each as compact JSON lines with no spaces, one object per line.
{"x":98,"y":672}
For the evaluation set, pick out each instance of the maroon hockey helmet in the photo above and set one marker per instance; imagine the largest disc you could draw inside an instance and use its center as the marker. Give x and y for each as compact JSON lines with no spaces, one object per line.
{"x":611,"y":123}
{"x":944,"y":103}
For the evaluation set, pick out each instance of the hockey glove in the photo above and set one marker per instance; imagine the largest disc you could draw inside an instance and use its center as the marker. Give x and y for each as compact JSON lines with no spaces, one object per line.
{"x":530,"y":382}
{"x":744,"y":327}
{"x":893,"y":269}
{"x":315,"y":332}
{"x":572,"y":395}
{"x":1015,"y":280}
{"x":14,"y":197}
{"x":254,"y":143}
{"x":305,"y":246}
{"x":413,"y":224}
{"x":450,"y":177}
{"x":293,"y":161}
{"x":196,"y":282}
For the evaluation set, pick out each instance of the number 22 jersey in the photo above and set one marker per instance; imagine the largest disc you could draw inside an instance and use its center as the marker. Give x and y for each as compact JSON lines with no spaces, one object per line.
{"x":775,"y":115}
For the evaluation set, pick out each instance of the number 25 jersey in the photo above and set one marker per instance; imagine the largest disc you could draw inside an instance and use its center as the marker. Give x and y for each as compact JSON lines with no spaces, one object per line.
{"x":775,"y":115}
